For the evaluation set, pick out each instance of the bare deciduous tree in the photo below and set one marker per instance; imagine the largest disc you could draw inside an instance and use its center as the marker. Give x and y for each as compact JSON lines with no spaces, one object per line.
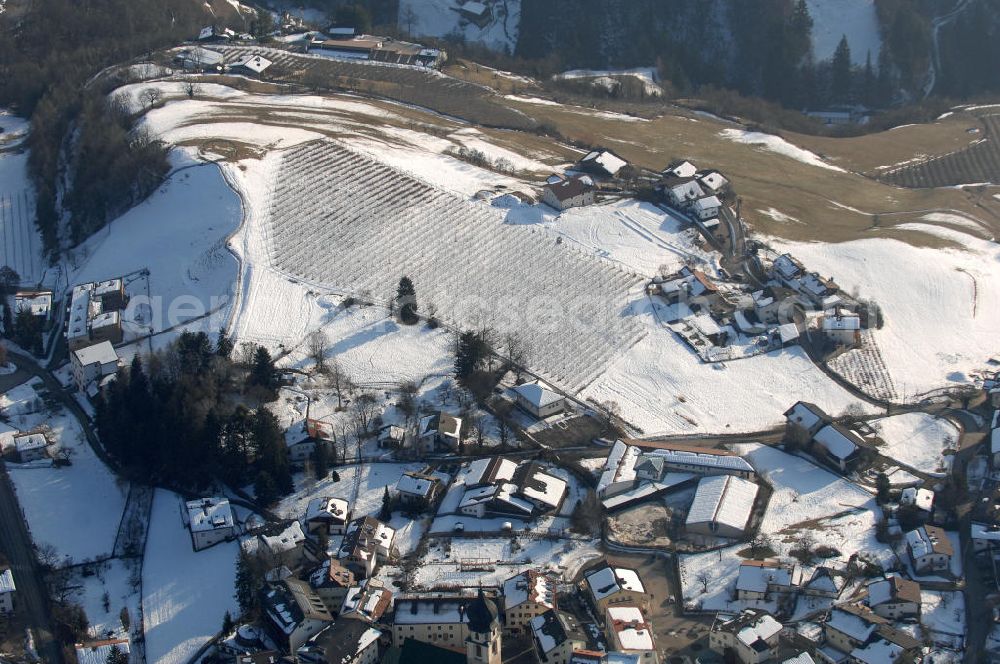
{"x":317,"y":349}
{"x":151,"y":96}
{"x":191,"y":89}
{"x":339,"y":381}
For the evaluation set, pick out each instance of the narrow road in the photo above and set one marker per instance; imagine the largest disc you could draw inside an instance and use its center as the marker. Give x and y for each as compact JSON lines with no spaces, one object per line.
{"x":32,"y":598}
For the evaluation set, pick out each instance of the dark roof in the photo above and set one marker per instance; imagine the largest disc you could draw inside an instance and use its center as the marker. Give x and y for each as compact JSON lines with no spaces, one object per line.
{"x":419,"y":652}
{"x":339,"y":641}
{"x":561,"y":627}
{"x":481,"y":613}
{"x":569,"y":188}
{"x":671,"y":181}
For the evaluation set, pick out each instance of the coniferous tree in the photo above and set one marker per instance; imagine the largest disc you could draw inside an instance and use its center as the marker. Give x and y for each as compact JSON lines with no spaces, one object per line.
{"x":406,"y":302}
{"x":841,"y":72}
{"x":223,"y":345}
{"x":262,"y":371}
{"x":321,"y":461}
{"x":265,"y":489}
{"x":248,"y":584}
{"x":386,"y":512}
{"x":469,"y":354}
{"x":116,"y":656}
{"x":272,"y":453}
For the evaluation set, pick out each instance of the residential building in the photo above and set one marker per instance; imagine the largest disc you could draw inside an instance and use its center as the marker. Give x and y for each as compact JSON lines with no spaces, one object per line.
{"x":681,"y":169}
{"x":615,"y":586}
{"x":95,"y":313}
{"x":628,"y":632}
{"x":331,"y":582}
{"x":556,"y":635}
{"x":706,"y":207}
{"x":824,"y":582}
{"x":94,"y":363}
{"x":210,"y":521}
{"x":894,"y":598}
{"x":490,"y":471}
{"x":838,"y":446}
{"x":293,"y":613}
{"x":344,"y":642}
{"x":366,"y":544}
{"x":722,"y":506}
{"x":250,"y":65}
{"x":680,"y":191}
{"x":7,"y":591}
{"x":787,"y":268}
{"x":920,"y":498}
{"x":751,"y":637}
{"x":391,"y":436}
{"x":31,"y":447}
{"x":525,"y":597}
{"x":36,"y":302}
{"x":417,"y":491}
{"x":850,"y":626}
{"x":368,"y":601}
{"x":842,"y":328}
{"x":302,"y":449}
{"x":439,"y":432}
{"x":97,"y":652}
{"x":930,"y":550}
{"x":767,"y":579}
{"x":713,"y":182}
{"x":327,"y":516}
{"x":803,"y":421}
{"x":601,"y":162}
{"x":283,"y":548}
{"x":538,"y":400}
{"x":540,"y":488}
{"x":569,"y":193}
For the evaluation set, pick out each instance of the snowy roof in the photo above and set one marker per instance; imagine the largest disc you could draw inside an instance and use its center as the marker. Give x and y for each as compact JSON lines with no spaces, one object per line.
{"x":286,"y":540}
{"x":764,"y":628}
{"x":630,"y":628}
{"x":609,"y":162}
{"x":704,"y":459}
{"x":823,"y":579}
{"x":39,"y":303}
{"x":364,"y":536}
{"x":327,"y":509}
{"x":841,"y":443}
{"x":607,"y":581}
{"x":926,"y":540}
{"x":921,"y":498}
{"x":877,"y":652}
{"x":570,"y":187}
{"x":788,"y":332}
{"x":542,"y":487}
{"x":108,"y":286}
{"x":102,"y":353}
{"x":207,"y":514}
{"x":97,"y":652}
{"x":806,"y":415}
{"x":28,"y":442}
{"x":620,"y":465}
{"x":723,"y":499}
{"x":757,"y":575}
{"x":105,"y":319}
{"x":893,"y":589}
{"x":507,"y":494}
{"x":554,"y":628}
{"x":684,"y":169}
{"x":707,"y":203}
{"x":255,"y":63}
{"x":7,"y":581}
{"x":706,"y":325}
{"x":369,"y":598}
{"x":490,"y":470}
{"x":841,"y":321}
{"x":529,"y":586}
{"x":982,"y":531}
{"x":801,"y":658}
{"x":854,"y":622}
{"x":538,"y":395}
{"x":79,"y":311}
{"x":786,"y":266}
{"x":431,"y":609}
{"x":714,"y":180}
{"x":441,"y":424}
{"x":331,"y":574}
{"x":416,"y":484}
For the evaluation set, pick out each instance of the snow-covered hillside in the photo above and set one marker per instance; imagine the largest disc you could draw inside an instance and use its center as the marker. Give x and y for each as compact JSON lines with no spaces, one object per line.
{"x":833,"y":19}
{"x":440,"y":18}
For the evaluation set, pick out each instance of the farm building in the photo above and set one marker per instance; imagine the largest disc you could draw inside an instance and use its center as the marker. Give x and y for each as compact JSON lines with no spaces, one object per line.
{"x":679,"y":191}
{"x":92,"y":364}
{"x":838,"y":445}
{"x":417,"y":490}
{"x":842,"y":328}
{"x":706,"y":207}
{"x":786,"y":268}
{"x":722,"y":506}
{"x":327,"y":515}
{"x":199,"y":58}
{"x":614,"y":586}
{"x":894,"y":598}
{"x":37,"y":302}
{"x":602,"y":162}
{"x":250,"y":65}
{"x":538,"y":400}
{"x":569,"y":193}
{"x":210,"y":521}
{"x":7,"y":591}
{"x":760,"y":579}
{"x":619,"y":470}
{"x":525,"y":597}
{"x":752,"y":636}
{"x":704,"y":461}
{"x":930,"y":550}
{"x":31,"y":447}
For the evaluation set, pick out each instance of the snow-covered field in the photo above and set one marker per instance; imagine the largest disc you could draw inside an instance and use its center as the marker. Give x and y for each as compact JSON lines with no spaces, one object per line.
{"x":185,"y":594}
{"x":76,"y":508}
{"x":118,"y":579}
{"x":917,"y":440}
{"x":806,"y":499}
{"x":20,"y":242}
{"x":941,"y":306}
{"x":439,"y":18}
{"x":778,"y":145}
{"x":855,"y":19}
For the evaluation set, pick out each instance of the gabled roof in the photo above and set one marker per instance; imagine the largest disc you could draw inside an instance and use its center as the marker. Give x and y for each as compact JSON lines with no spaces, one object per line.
{"x":806,"y":415}
{"x":102,"y":353}
{"x":7,"y":581}
{"x":254,"y":63}
{"x":606,"y":580}
{"x":416,"y":484}
{"x":891,"y":590}
{"x":839,"y":441}
{"x":538,"y":395}
{"x":929,"y":539}
{"x":570,"y":187}
{"x":554,"y":628}
{"x":605,"y":160}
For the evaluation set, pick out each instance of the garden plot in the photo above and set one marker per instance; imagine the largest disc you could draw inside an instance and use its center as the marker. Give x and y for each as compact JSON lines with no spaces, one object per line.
{"x":807,"y":501}
{"x":941,"y":306}
{"x":75,"y":509}
{"x":347,"y":222}
{"x":185,"y":593}
{"x":104,"y":590}
{"x":918,"y":440}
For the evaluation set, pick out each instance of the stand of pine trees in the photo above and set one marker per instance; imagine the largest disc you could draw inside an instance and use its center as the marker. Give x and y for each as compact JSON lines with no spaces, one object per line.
{"x":171,"y":418}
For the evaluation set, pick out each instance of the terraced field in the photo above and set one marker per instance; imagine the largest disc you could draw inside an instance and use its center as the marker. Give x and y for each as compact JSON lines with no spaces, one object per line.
{"x":978,"y":163}
{"x":346,"y":222}
{"x":413,"y":85}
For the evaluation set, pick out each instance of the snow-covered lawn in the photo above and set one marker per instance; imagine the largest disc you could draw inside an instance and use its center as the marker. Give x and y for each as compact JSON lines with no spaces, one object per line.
{"x":942,"y":614}
{"x":76,"y":508}
{"x":374,"y":478}
{"x":119,"y":580}
{"x":917,"y":440}
{"x":941,"y":306}
{"x":806,"y":500}
{"x":185,"y":593}
{"x":776,"y":144}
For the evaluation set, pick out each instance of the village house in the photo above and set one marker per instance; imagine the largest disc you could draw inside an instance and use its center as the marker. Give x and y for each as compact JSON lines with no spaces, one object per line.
{"x":391,"y":436}
{"x":615,"y":586}
{"x":367,"y":601}
{"x":706,"y":207}
{"x":803,"y":421}
{"x":456,"y":622}
{"x":490,"y":471}
{"x":331,"y":582}
{"x":417,"y":490}
{"x":36,"y":302}
{"x":751,"y":637}
{"x":538,"y":400}
{"x":841,"y":328}
{"x":540,"y":488}
{"x":919,"y":498}
{"x":838,"y":446}
{"x":569,"y":193}
{"x":250,"y":65}
{"x":619,"y":474}
{"x":681,"y":169}
{"x":894,"y":598}
{"x":293,"y":613}
{"x":327,"y":516}
{"x":31,"y":447}
{"x":344,"y":642}
{"x":850,"y":626}
{"x":604,"y":163}
{"x":713,"y":182}
{"x":985,"y":537}
{"x":556,"y":635}
{"x":95,"y":313}
{"x":630,"y":633}
{"x":439,"y":432}
{"x":680,"y":191}
{"x":98,"y":652}
{"x":94,"y":363}
{"x":824,"y":582}
{"x":855,"y":634}
{"x":496,"y":501}
{"x":7,"y":591}
{"x":366,"y":544}
{"x":283,"y":548}
{"x":688,"y":286}
{"x":767,"y":579}
{"x":929,"y":549}
{"x":525,"y":597}
{"x":786,"y":269}
{"x":722,"y":506}
{"x":210,"y":521}
{"x":198,"y":59}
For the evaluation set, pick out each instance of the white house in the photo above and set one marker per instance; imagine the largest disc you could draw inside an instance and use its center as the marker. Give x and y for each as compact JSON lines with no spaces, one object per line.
{"x":37,"y":302}
{"x":752,"y":636}
{"x":30,"y":447}
{"x":706,"y":207}
{"x":569,"y":193}
{"x":894,"y":598}
{"x":7,"y":591}
{"x":615,"y":586}
{"x":680,"y":191}
{"x":327,"y":515}
{"x":842,"y":328}
{"x":293,"y":613}
{"x":210,"y":521}
{"x":94,"y":363}
{"x":525,"y":597}
{"x":630,"y":633}
{"x":930,"y":549}
{"x":283,"y":548}
{"x":722,"y":506}
{"x":804,"y":420}
{"x":838,"y":445}
{"x":922,"y":499}
{"x":439,"y":432}
{"x":539,"y":400}
{"x":252,"y":65}
{"x":763,"y":579}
